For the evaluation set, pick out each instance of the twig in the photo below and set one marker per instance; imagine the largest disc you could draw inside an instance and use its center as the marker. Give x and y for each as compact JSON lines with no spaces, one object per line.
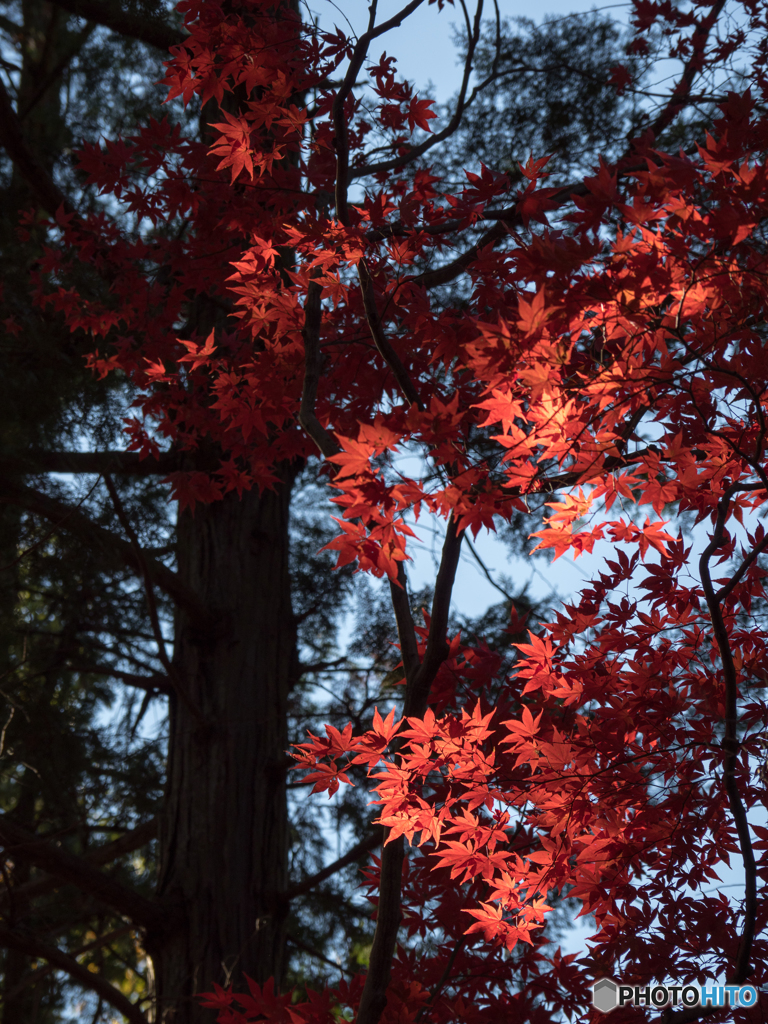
{"x":380,"y":340}
{"x":341,"y":138}
{"x":681,"y":91}
{"x":162,"y":653}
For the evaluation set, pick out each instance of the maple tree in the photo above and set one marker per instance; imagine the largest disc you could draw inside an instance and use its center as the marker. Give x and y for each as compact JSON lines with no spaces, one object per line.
{"x":607,"y":352}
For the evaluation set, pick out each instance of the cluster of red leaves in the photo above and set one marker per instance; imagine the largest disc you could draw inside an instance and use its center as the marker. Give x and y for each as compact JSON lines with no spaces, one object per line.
{"x":598,"y":773}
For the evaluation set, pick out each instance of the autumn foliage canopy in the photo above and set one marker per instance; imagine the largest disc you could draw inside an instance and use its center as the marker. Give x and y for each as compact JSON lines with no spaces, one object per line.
{"x":608,"y":351}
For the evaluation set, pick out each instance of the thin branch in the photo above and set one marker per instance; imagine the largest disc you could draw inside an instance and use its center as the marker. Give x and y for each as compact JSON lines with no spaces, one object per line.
{"x":380,"y":340}
{"x":50,"y":196}
{"x":79,"y":872}
{"x":374,"y":997}
{"x":82,"y":526}
{"x":417,"y":693}
{"x":444,"y":977}
{"x":162,"y":653}
{"x":462,"y":103}
{"x":730,"y":743}
{"x":406,"y":631}
{"x":315,"y":953}
{"x":726,"y":590}
{"x":132,"y":840}
{"x":47,"y":536}
{"x":680,"y":94}
{"x":147,"y":28}
{"x":355,"y":853}
{"x":487,"y":573}
{"x":312,"y":365}
{"x":33,"y":947}
{"x":341,"y":138}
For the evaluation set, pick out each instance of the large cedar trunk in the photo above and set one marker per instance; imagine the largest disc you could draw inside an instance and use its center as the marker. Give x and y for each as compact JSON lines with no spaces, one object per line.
{"x":224,"y":831}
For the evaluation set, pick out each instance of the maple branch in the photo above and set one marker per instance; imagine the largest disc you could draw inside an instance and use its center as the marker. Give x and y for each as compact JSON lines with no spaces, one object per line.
{"x":730,"y":742}
{"x":308,"y":421}
{"x":388,"y":917}
{"x":681,"y":92}
{"x":417,"y":692}
{"x":444,"y":977}
{"x":341,"y":136}
{"x":178,"y":686}
{"x":380,"y":340}
{"x":725,"y":591}
{"x":147,"y":28}
{"x":374,"y":997}
{"x":406,"y":632}
{"x":82,"y":526}
{"x":354,"y":853}
{"x":33,"y":947}
{"x":462,"y":103}
{"x":79,"y":872}
{"x":39,"y":180}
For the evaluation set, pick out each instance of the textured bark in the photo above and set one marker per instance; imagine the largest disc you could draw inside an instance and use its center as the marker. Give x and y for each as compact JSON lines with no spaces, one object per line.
{"x":224,"y":832}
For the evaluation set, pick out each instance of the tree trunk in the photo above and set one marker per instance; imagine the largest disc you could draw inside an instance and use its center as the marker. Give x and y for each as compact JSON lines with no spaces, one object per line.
{"x":224,"y":833}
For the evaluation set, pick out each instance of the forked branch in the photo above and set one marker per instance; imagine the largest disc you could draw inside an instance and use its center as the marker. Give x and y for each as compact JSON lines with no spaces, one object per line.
{"x":374,"y":997}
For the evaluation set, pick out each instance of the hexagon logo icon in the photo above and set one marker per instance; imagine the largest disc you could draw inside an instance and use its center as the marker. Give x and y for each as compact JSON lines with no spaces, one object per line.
{"x":605,"y":995}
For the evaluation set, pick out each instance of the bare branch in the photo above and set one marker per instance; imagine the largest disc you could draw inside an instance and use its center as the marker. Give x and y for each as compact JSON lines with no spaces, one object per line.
{"x":374,"y":997}
{"x":355,"y":853}
{"x":388,"y":917}
{"x":724,"y":591}
{"x":462,"y":103}
{"x":31,"y":946}
{"x":78,"y":871}
{"x":150,"y":684}
{"x":681,"y":94}
{"x":306,"y":948}
{"x":35,"y":977}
